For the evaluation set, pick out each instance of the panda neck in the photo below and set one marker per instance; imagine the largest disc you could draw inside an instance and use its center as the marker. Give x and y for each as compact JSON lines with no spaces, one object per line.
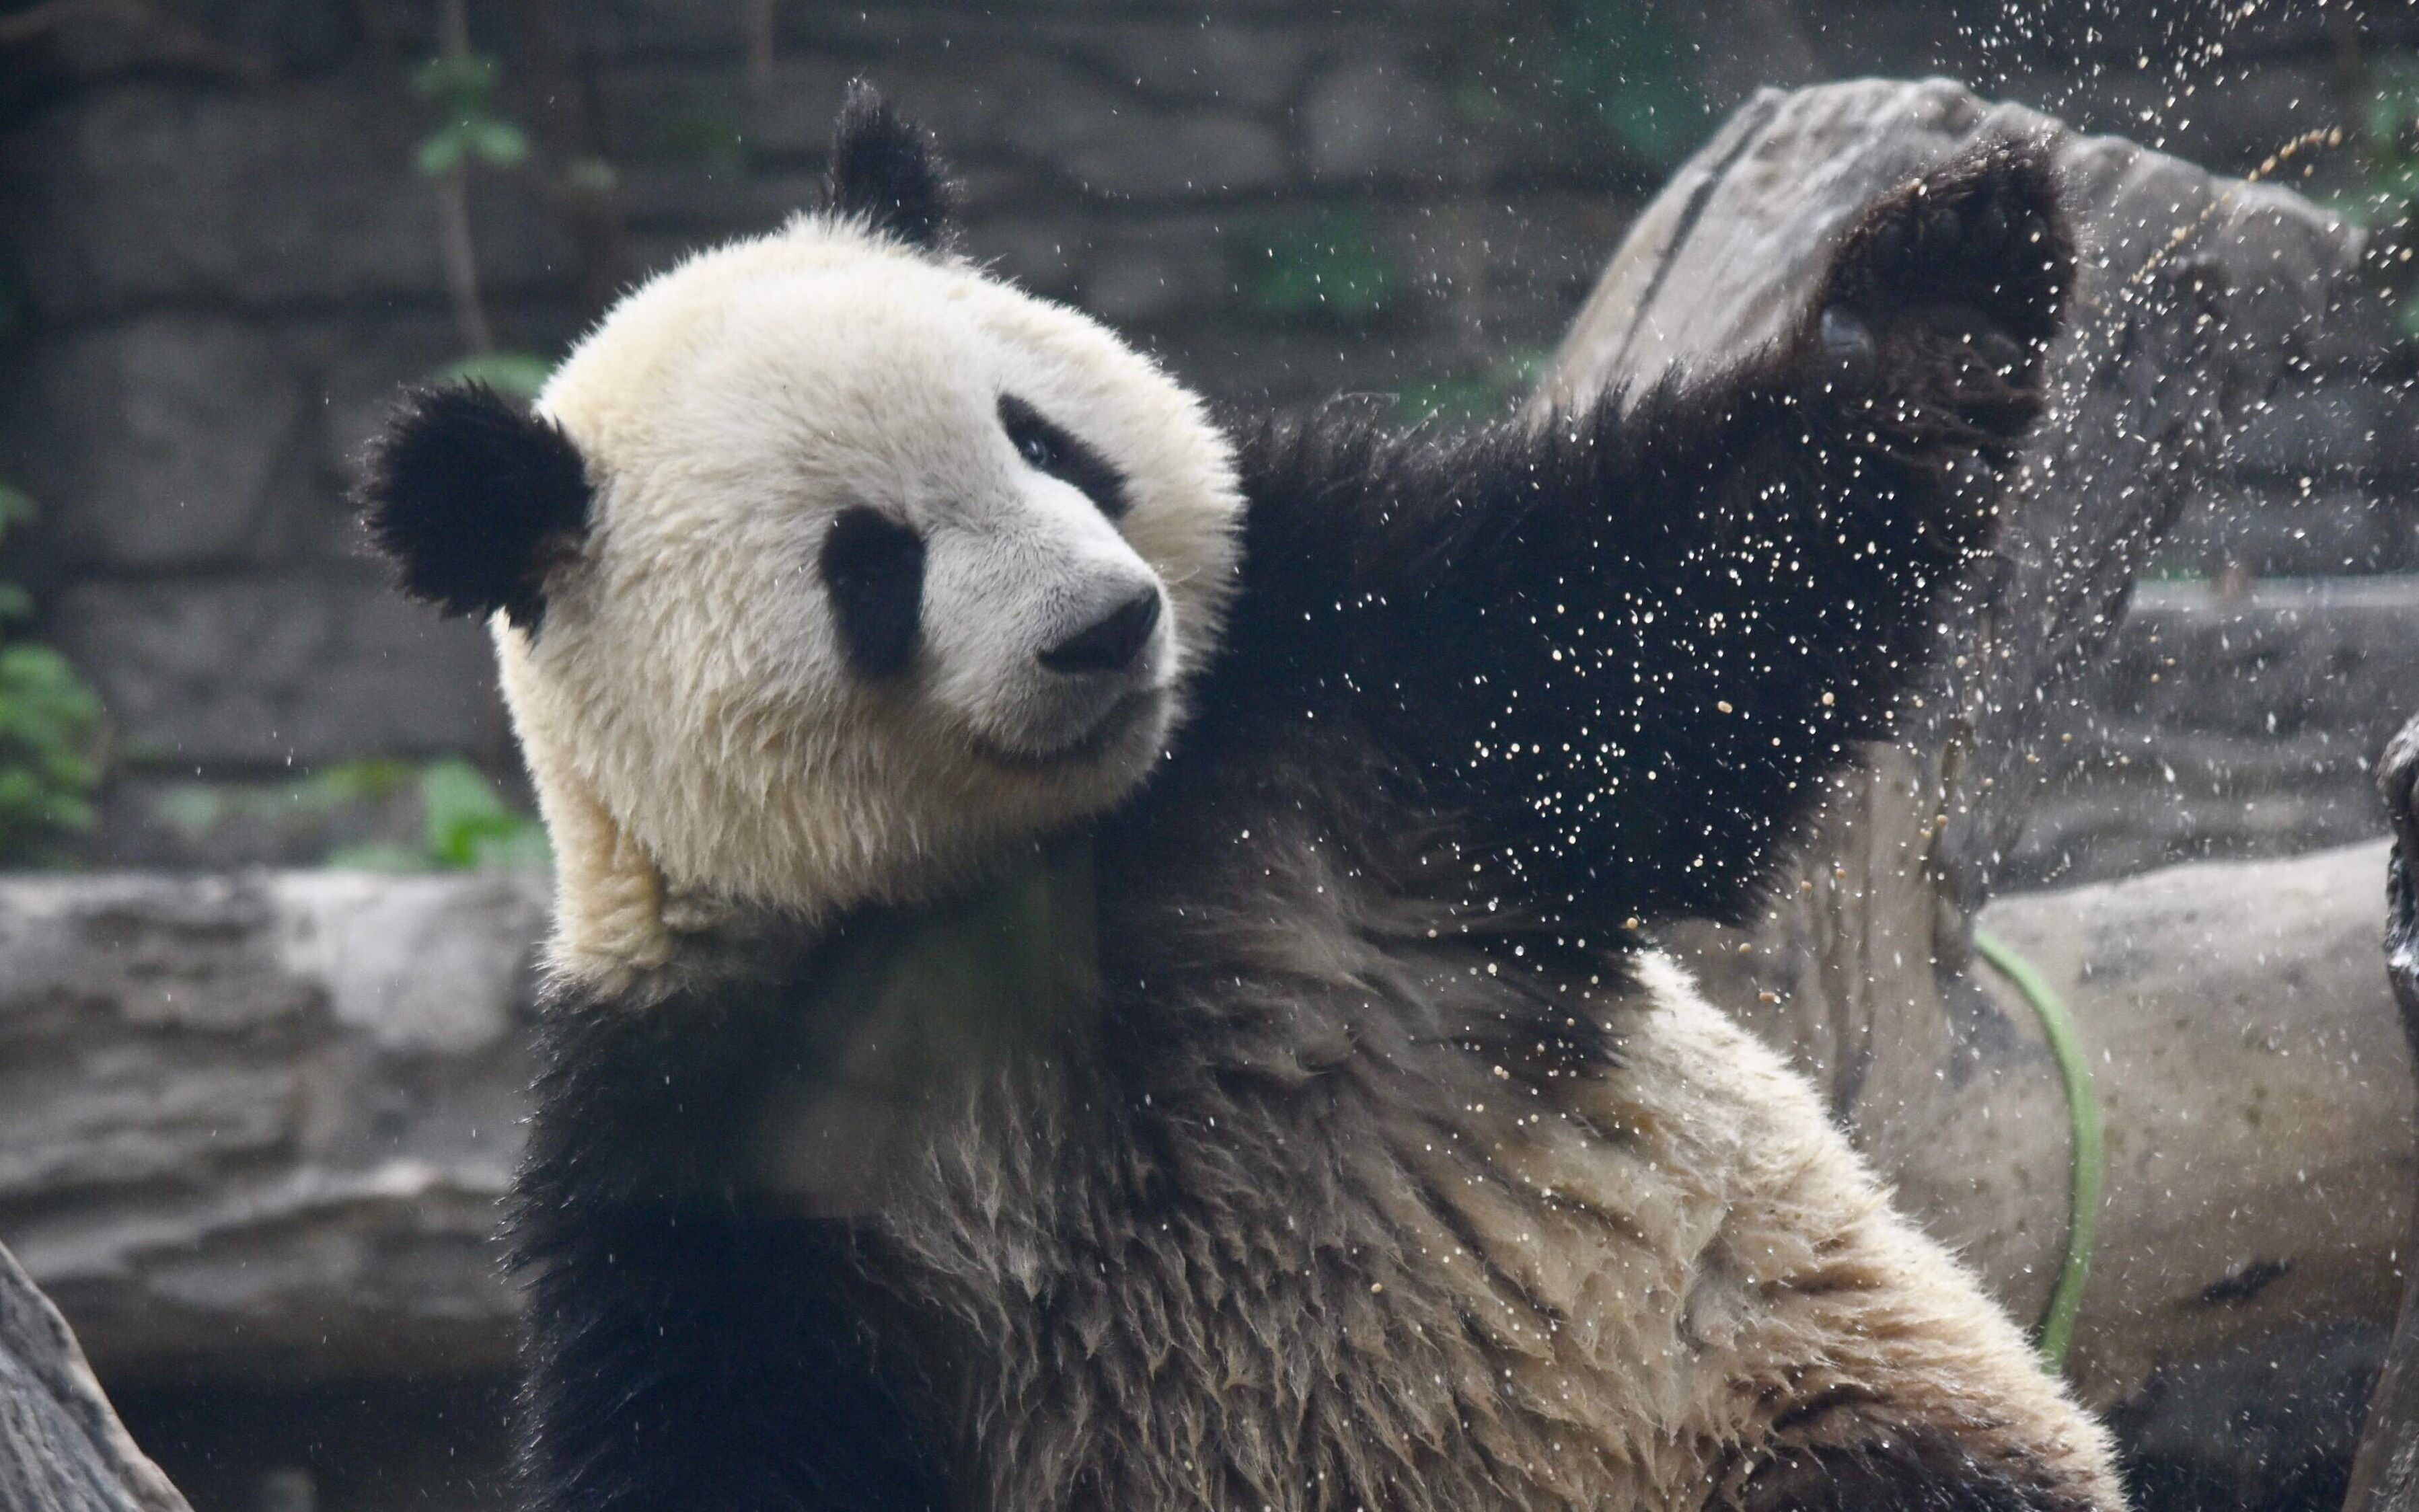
{"x":1019,"y":940}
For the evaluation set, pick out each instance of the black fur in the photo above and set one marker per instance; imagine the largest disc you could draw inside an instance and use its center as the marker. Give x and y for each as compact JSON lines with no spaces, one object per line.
{"x":1052,"y":449}
{"x":886,"y":170}
{"x":1623,"y":649}
{"x":729,"y":1320}
{"x":1483,"y":703}
{"x":873,"y":567}
{"x":1908,"y":1471}
{"x":472,"y":499}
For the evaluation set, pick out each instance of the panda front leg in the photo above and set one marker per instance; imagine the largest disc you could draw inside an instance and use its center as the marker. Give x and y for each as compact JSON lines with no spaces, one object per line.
{"x":1843,"y":1361}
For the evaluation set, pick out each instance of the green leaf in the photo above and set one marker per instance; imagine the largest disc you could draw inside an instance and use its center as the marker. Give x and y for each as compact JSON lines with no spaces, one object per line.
{"x":457,"y":80}
{"x":496,"y":142}
{"x":457,"y":805}
{"x":368,"y":779}
{"x":442,"y":152}
{"x":521,"y":374}
{"x":706,"y":137}
{"x":378,"y":856}
{"x":49,"y":725}
{"x":591,"y":176}
{"x":17,"y":507}
{"x":521,"y":848}
{"x":192,"y":809}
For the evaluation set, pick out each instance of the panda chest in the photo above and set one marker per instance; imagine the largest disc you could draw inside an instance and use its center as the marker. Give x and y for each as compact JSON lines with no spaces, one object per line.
{"x":908,"y":1024}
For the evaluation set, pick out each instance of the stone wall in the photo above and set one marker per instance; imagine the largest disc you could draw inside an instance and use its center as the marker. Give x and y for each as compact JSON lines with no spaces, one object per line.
{"x":223,"y":261}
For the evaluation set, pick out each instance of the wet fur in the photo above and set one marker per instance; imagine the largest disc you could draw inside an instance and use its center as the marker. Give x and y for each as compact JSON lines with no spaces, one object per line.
{"x":1391,"y":1171}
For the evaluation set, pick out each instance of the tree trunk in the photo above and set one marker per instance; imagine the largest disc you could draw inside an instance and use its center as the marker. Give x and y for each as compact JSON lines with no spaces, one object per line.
{"x":61,"y":1447}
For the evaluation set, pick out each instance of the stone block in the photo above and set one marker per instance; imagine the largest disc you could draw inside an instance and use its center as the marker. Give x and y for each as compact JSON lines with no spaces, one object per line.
{"x":132,"y":195}
{"x":1219,"y":59}
{"x":168,"y":440}
{"x":356,"y":363}
{"x":1157,"y":270}
{"x":1112,"y":146}
{"x":265,"y":672}
{"x":1376,"y":117}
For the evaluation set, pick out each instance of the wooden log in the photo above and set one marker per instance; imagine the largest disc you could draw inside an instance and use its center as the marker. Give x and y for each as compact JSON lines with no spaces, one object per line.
{"x":2193,"y":294}
{"x":2385,"y":1472}
{"x":62,"y":1449}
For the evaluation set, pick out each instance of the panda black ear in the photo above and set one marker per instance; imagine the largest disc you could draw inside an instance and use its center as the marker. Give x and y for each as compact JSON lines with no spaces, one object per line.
{"x":886,"y":170}
{"x":472,"y":498}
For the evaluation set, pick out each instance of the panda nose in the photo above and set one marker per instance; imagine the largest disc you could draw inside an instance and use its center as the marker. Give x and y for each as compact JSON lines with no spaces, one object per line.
{"x":1109,"y":643}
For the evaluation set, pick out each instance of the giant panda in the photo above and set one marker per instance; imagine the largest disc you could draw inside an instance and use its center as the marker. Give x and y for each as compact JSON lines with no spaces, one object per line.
{"x":1101,"y":958}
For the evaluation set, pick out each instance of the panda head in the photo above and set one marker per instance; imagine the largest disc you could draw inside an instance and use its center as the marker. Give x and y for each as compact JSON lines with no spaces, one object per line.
{"x":827,"y":568}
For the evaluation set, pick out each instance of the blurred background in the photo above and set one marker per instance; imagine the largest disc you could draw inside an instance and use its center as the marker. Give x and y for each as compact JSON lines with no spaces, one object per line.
{"x":230,"y":228}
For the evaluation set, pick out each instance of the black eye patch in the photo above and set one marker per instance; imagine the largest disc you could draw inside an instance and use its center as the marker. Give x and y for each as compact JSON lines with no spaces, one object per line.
{"x":873,"y":567}
{"x":1046,"y":448}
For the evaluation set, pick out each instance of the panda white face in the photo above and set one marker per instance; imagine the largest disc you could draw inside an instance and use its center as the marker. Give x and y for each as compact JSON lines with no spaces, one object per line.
{"x":887,"y":565}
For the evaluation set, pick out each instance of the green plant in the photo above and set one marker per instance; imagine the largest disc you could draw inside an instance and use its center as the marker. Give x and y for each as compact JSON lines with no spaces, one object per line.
{"x":2386,"y":197}
{"x":1324,"y":265}
{"x":1621,"y":64}
{"x":466,"y":824}
{"x":50,"y":729}
{"x":471,"y":128}
{"x":472,"y":131}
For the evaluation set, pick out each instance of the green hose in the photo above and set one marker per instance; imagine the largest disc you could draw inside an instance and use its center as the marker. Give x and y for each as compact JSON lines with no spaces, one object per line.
{"x":2088,"y":1151}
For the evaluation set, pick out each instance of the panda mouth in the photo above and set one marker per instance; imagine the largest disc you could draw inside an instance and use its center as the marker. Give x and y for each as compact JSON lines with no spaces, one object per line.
{"x":1113,"y":726}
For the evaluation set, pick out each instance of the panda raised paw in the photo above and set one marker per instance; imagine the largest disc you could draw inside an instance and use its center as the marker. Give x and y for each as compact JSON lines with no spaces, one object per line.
{"x":1940,"y":306}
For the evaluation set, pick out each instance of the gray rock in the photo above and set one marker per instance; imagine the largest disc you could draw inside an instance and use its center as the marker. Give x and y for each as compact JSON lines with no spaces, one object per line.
{"x":2222,"y":726}
{"x":171,"y":440}
{"x":262,"y":1124}
{"x":2311,"y":527}
{"x":2286,"y":658}
{"x":254,"y":671}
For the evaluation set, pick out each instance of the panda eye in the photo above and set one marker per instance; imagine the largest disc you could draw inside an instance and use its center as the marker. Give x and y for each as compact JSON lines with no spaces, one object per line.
{"x":1048,"y":449}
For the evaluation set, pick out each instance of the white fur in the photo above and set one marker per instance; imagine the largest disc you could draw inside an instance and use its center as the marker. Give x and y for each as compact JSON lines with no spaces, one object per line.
{"x":686,"y":709}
